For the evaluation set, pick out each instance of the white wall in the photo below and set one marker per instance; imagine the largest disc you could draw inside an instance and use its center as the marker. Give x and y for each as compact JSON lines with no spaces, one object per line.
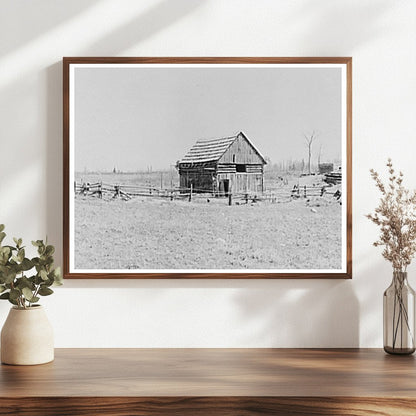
{"x":380,"y":35}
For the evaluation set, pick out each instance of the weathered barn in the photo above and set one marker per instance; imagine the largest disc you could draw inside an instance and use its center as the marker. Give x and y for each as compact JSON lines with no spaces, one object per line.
{"x":223,"y":166}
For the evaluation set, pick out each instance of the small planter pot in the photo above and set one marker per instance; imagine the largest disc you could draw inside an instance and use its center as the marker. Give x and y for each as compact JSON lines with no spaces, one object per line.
{"x":27,"y":337}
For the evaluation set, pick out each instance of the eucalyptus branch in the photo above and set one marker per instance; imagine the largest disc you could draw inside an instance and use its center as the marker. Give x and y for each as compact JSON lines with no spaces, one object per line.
{"x":23,"y":280}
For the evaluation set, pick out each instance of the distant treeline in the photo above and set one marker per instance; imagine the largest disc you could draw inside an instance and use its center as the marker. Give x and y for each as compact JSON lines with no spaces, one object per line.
{"x":296,"y":165}
{"x":288,"y":165}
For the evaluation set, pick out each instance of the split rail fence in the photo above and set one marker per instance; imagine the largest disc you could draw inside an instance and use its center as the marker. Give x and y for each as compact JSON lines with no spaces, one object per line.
{"x":127,"y":192}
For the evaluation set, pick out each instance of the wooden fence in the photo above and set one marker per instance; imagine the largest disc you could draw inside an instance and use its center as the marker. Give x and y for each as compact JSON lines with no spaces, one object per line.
{"x":127,"y":192}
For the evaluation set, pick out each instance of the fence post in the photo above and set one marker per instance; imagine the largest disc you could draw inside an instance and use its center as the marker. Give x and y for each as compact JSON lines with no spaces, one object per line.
{"x":85,"y":188}
{"x":246,"y":198}
{"x":75,"y":187}
{"x":190,"y":193}
{"x":100,"y":190}
{"x":323,"y":191}
{"x":304,"y":191}
{"x":230,"y":199}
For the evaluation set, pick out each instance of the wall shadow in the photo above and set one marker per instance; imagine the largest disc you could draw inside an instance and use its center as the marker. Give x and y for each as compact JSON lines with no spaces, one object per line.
{"x":54,"y":146}
{"x":148,"y":23}
{"x":36,"y":17}
{"x":301,"y":313}
{"x":155,"y":19}
{"x":336,"y":18}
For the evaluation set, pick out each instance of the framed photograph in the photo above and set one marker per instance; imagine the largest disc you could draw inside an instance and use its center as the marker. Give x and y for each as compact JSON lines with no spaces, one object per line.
{"x":207,"y":168}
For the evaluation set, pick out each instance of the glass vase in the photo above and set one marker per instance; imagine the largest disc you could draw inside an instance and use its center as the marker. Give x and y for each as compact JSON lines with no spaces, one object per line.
{"x":399,"y":316}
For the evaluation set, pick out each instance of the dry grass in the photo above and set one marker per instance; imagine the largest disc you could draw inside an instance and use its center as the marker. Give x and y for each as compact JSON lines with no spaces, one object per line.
{"x":160,"y":234}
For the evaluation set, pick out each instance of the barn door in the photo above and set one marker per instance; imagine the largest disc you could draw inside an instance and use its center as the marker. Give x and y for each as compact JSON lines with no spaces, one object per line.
{"x":224,"y":186}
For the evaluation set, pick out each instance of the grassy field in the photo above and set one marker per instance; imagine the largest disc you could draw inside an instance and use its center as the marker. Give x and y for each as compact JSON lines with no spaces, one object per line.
{"x":147,"y":233}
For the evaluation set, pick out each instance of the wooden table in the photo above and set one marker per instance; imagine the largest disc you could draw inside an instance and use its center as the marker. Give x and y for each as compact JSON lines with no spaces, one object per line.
{"x":212,"y":382}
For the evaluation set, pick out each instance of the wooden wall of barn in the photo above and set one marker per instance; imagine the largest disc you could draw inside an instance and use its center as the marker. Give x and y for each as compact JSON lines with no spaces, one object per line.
{"x":241,"y":152}
{"x":201,"y":178}
{"x":232,"y":168}
{"x":209,"y":182}
{"x":242,"y":182}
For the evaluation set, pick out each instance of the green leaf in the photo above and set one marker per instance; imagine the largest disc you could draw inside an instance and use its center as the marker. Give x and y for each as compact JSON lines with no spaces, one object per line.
{"x":2,"y":288}
{"x":8,"y":277}
{"x":49,"y":250}
{"x":47,"y":260}
{"x":7,"y":297}
{"x":5,"y":250}
{"x":3,"y":258}
{"x":43,"y":275}
{"x":58,"y":281}
{"x":26,"y":264}
{"x":13,"y":302}
{"x":2,"y":236}
{"x":24,"y":282}
{"x":21,"y":255}
{"x":2,"y":227}
{"x":38,"y":280}
{"x":48,"y":282}
{"x":56,"y":272}
{"x":45,"y":291}
{"x":11,"y":248}
{"x":37,"y":243}
{"x":15,"y":294}
{"x":27,"y":293}
{"x":17,"y":241}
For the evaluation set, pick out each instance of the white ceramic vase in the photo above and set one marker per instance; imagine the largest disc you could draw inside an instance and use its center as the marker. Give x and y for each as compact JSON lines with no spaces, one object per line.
{"x":27,"y":337}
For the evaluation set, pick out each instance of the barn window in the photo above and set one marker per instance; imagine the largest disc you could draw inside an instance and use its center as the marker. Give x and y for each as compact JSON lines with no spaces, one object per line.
{"x":240,"y":168}
{"x":233,"y":158}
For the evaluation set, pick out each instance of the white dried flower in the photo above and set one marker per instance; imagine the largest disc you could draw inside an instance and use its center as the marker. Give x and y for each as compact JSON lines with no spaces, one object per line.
{"x":396,"y":217}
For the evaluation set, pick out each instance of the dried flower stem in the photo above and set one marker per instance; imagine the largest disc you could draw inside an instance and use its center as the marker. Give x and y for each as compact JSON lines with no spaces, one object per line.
{"x":396,"y":217}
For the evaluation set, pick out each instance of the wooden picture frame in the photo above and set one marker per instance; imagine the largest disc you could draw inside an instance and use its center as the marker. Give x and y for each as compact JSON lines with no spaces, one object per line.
{"x":151,"y":166}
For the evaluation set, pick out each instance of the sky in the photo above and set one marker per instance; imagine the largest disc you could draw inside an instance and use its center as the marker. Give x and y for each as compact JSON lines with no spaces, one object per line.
{"x":136,"y":118}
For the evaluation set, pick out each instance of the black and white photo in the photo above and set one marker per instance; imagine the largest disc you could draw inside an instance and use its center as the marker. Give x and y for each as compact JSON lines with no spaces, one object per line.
{"x":207,"y":168}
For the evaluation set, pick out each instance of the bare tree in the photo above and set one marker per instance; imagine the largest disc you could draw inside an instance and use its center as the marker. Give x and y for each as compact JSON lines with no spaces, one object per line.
{"x":309,"y":138}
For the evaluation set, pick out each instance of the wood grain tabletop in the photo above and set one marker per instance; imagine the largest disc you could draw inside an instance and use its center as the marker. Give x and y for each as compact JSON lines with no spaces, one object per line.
{"x":239,"y":379}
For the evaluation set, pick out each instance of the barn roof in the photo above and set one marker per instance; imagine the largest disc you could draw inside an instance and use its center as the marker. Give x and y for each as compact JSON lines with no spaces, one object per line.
{"x":211,"y":150}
